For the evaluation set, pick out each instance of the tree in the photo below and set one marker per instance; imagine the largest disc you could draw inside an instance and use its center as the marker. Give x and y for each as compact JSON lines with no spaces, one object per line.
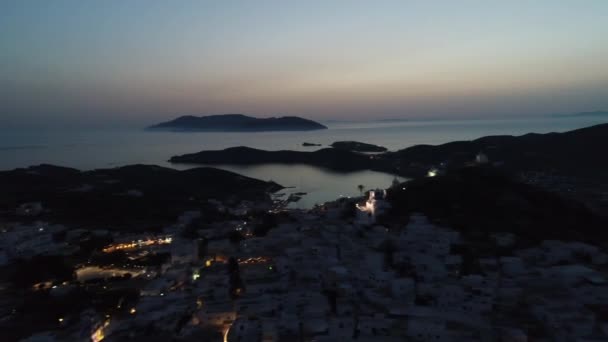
{"x":236,"y":283}
{"x":202,"y":248}
{"x":190,"y":231}
{"x":265,"y":223}
{"x":349,"y":211}
{"x":42,"y":268}
{"x":388,"y":247}
{"x":233,"y":265}
{"x":332,"y":298}
{"x":361,"y":187}
{"x":235,"y":237}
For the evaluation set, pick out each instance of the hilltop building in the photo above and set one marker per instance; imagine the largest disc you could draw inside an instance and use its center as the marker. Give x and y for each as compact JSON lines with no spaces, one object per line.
{"x":375,"y":205}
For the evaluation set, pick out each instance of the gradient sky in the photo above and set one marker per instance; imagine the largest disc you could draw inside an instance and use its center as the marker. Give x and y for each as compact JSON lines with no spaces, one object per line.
{"x":144,"y":61}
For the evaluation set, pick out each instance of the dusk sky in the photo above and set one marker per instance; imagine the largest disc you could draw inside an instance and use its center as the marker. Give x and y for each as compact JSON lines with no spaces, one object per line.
{"x":144,"y":61}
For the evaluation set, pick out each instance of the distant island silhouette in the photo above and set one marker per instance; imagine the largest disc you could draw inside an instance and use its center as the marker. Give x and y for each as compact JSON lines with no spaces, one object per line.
{"x":237,"y":123}
{"x":599,"y":113}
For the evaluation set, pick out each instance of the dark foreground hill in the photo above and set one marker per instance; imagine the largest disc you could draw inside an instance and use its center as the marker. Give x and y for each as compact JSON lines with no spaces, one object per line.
{"x":134,"y":195}
{"x":480,"y":201}
{"x":575,"y":153}
{"x":238,"y":123}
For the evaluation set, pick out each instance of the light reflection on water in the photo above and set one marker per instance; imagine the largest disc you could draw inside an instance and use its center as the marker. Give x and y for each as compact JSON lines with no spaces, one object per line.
{"x":320,"y":185}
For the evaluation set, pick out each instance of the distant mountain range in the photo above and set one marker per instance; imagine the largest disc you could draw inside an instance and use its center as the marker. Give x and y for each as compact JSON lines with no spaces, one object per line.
{"x":237,"y":123}
{"x":595,"y":113}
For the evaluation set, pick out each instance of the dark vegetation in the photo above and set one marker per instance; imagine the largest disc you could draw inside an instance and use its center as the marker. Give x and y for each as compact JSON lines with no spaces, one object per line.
{"x":479,"y":201}
{"x":263,"y":223}
{"x":27,"y":272}
{"x":236,"y":286}
{"x":41,"y":310}
{"x":235,"y":237}
{"x":155,"y":259}
{"x":349,"y":210}
{"x":135,"y":196}
{"x":89,"y":243}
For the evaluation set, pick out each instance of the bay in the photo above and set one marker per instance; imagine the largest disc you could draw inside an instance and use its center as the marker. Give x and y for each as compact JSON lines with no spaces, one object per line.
{"x":95,"y":147}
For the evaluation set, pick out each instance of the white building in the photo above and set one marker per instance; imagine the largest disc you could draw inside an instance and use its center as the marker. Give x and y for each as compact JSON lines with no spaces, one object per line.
{"x":375,"y":205}
{"x":481,"y":158}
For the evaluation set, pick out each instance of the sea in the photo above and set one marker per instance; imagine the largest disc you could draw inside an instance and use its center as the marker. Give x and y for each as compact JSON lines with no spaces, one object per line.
{"x":89,"y":148}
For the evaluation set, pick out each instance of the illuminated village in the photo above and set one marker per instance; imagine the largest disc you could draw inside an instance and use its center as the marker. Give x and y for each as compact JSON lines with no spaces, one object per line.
{"x":325,"y":274}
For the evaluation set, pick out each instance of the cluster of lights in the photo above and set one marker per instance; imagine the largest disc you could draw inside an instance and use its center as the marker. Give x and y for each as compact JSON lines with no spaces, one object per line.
{"x":98,"y":335}
{"x":139,"y":243}
{"x":255,"y":260}
{"x":226,"y":332}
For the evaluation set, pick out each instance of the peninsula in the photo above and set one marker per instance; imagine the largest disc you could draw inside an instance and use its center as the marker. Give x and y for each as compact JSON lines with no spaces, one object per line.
{"x":356,"y":146}
{"x":572,"y":153}
{"x":237,"y":123}
{"x":329,"y":158}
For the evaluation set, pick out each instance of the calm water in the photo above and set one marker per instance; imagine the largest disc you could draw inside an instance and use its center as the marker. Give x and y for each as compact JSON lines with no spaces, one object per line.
{"x":102,"y":148}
